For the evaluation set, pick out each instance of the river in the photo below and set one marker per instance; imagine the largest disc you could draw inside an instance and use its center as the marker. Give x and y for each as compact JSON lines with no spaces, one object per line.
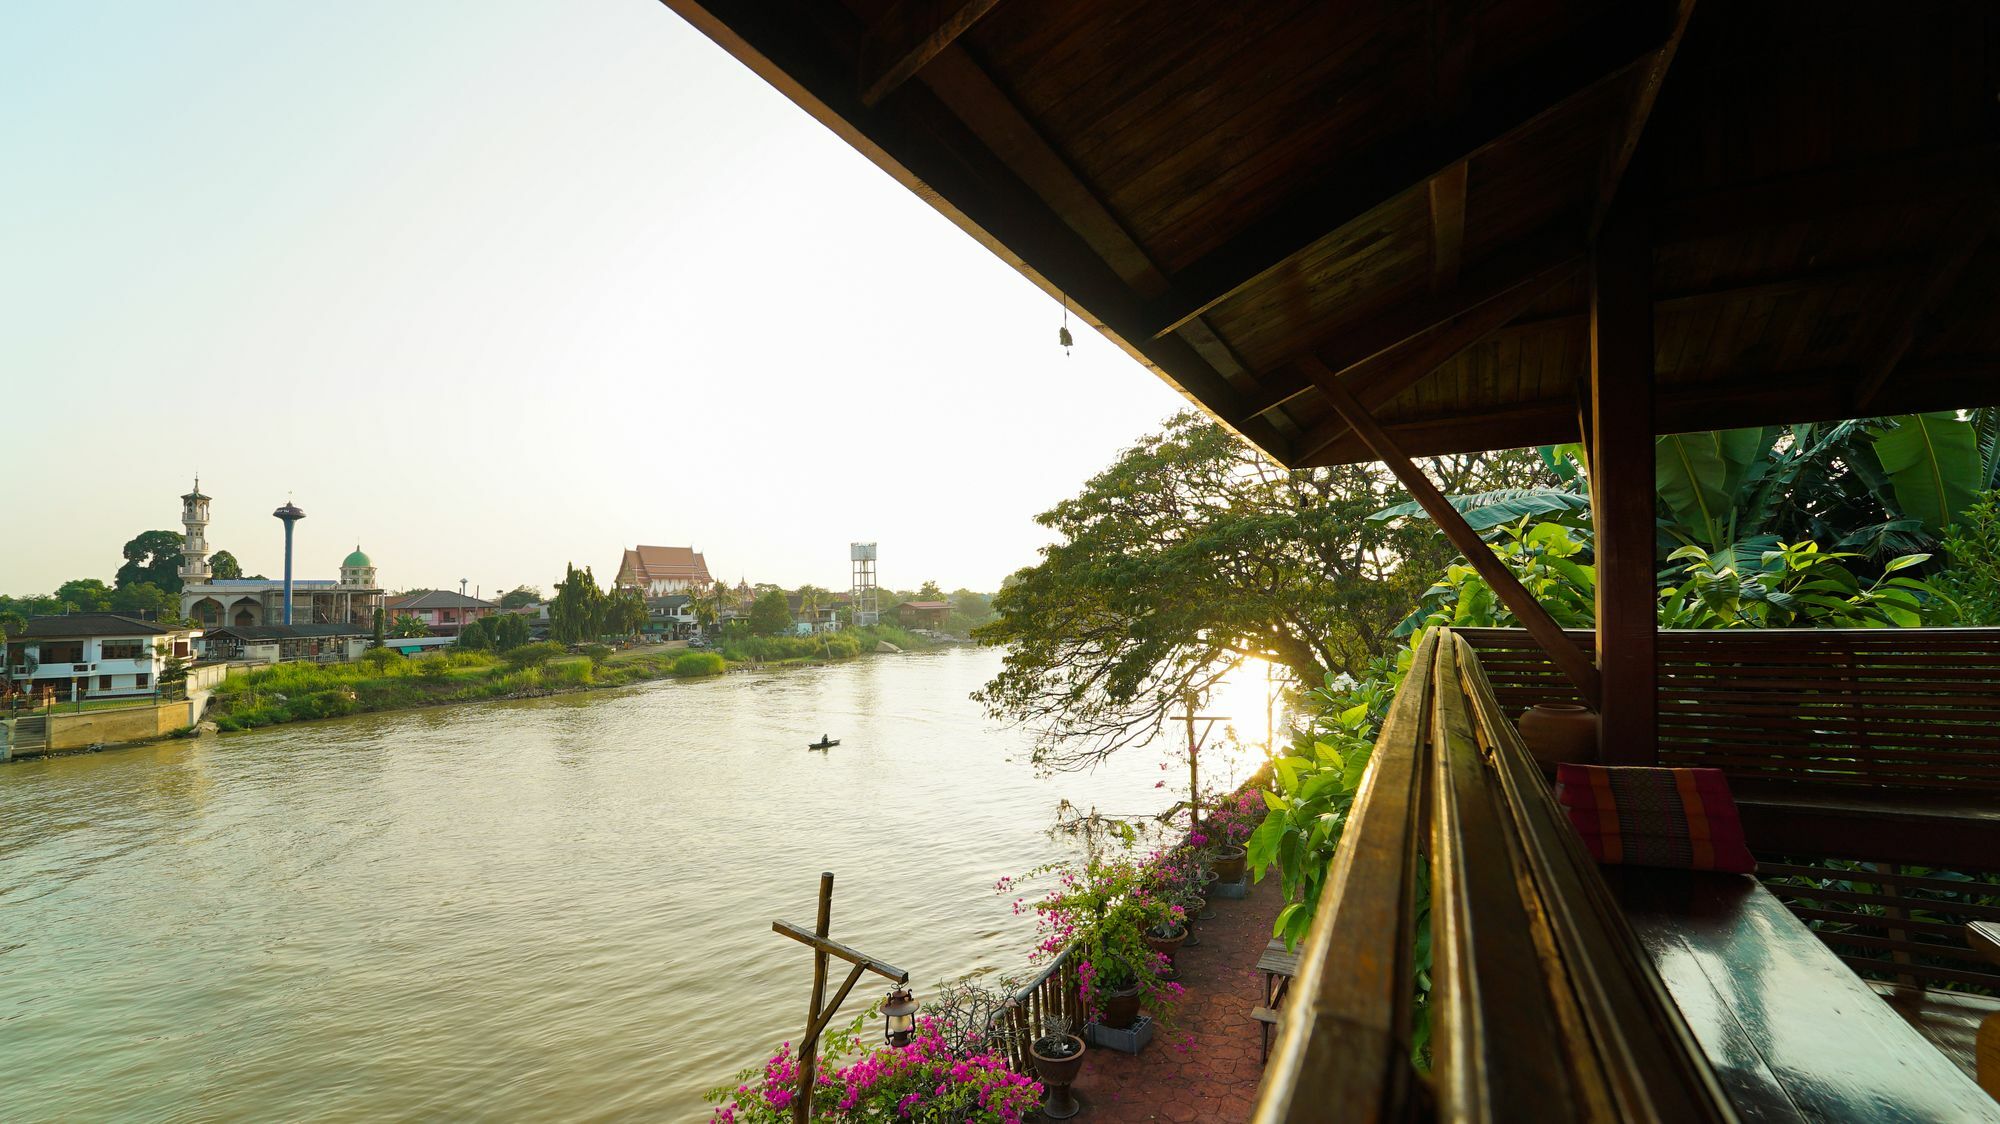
{"x":553,"y":909}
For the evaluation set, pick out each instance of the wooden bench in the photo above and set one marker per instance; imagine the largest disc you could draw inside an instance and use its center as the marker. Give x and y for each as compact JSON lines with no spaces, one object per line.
{"x":1792,"y":1032}
{"x":1675,"y":996}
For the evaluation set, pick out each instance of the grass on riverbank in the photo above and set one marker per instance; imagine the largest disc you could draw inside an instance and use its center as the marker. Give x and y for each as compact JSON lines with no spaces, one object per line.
{"x":385,"y":680}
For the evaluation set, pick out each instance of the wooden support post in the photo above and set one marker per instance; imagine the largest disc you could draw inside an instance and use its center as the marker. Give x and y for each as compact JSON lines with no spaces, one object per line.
{"x":809,"y":1045}
{"x":1546,"y":632}
{"x":1622,"y":487}
{"x":1194,"y":772}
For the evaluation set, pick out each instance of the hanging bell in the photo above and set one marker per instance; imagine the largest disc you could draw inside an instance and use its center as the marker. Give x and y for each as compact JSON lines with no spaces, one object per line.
{"x":1064,"y":338}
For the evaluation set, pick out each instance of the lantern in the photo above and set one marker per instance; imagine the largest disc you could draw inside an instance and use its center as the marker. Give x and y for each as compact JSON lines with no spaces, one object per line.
{"x":899,"y":1016}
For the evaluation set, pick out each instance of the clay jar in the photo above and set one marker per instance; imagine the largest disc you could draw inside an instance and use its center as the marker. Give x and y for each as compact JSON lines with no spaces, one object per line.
{"x":1559,"y":734}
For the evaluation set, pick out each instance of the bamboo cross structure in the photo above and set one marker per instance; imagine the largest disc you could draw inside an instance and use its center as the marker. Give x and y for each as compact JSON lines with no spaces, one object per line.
{"x":819,"y":1012}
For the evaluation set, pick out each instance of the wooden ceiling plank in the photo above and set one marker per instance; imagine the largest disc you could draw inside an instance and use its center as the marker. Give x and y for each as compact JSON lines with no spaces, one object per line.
{"x":1447,"y":191}
{"x":1509,"y":107}
{"x":1651,"y":78}
{"x":1916,"y":301}
{"x":1377,"y":378}
{"x":1548,"y":635}
{"x":908,"y":36}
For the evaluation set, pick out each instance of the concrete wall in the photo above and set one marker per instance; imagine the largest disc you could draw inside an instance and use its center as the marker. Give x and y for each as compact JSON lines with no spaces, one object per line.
{"x":126,"y":724}
{"x":203,"y":678}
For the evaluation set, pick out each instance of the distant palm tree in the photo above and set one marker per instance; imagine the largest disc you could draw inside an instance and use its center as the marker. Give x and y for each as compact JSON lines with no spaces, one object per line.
{"x":809,"y":596}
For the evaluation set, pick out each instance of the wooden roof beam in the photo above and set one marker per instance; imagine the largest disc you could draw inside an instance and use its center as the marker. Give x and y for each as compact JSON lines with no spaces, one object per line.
{"x":908,"y":36}
{"x":1507,"y":107}
{"x":1447,"y":192}
{"x":1536,"y":263}
{"x":1376,"y":378}
{"x":1650,"y":80}
{"x":1547,"y":633}
{"x":1804,"y":396}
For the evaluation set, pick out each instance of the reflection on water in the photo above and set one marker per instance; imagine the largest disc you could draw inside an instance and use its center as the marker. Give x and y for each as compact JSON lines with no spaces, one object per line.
{"x":557,"y":908}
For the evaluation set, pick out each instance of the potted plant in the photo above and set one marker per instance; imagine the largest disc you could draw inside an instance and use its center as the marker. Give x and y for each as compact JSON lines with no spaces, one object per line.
{"x":1165,"y":936}
{"x":1058,"y":1058}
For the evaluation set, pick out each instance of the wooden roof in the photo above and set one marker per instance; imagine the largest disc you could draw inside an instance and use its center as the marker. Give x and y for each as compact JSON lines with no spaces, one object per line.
{"x":1254,"y":198}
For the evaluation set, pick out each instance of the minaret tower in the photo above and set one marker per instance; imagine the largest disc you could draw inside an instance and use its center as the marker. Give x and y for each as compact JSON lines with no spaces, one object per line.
{"x":288,"y":515}
{"x":194,"y":545}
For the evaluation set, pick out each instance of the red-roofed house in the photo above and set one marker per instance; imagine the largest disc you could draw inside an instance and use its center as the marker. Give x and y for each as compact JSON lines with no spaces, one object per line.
{"x":659,"y":571}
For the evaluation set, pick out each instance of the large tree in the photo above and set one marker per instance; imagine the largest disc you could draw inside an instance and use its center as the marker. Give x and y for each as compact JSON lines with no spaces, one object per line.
{"x":153,"y":557}
{"x":520,"y":596}
{"x":771,"y":614}
{"x":223,"y":565}
{"x":84,"y":595}
{"x":577,"y":613}
{"x":1191,"y":553}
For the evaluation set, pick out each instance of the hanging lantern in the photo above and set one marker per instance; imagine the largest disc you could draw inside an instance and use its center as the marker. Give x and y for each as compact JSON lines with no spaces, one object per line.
{"x":899,"y":1016}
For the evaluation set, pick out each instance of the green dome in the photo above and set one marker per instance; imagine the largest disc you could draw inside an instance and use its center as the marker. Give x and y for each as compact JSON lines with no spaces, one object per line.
{"x":357,"y":559}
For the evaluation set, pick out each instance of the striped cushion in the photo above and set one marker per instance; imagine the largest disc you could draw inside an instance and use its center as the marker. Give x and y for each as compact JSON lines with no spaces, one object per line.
{"x":1655,"y":817}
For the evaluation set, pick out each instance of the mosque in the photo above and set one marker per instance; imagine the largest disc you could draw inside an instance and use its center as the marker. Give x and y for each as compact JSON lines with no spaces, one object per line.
{"x":251,"y":602}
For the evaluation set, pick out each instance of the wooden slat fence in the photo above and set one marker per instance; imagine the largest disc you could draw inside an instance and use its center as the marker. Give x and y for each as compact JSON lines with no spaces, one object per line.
{"x":1911,"y":709}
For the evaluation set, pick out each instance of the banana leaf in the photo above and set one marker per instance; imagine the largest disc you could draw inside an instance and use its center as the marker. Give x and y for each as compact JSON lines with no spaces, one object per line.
{"x":1484,"y":511}
{"x":1699,"y":476}
{"x":1933,"y":465}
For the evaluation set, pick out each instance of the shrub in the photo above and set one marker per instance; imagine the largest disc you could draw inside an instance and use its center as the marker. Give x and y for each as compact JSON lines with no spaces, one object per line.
{"x":433,"y":666}
{"x":533,"y":655}
{"x":571,"y":674}
{"x":382,"y":659}
{"x":693,"y":664}
{"x":596,"y":653}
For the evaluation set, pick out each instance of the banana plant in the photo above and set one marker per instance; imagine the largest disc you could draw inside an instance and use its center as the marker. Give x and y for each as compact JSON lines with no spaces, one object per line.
{"x":1935,"y":463}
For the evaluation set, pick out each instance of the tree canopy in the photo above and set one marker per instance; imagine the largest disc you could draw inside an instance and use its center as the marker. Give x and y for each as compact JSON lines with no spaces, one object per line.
{"x":520,"y":596}
{"x":153,"y":557}
{"x":577,"y":613}
{"x":1192,"y":552}
{"x":771,"y":614}
{"x":224,"y":566}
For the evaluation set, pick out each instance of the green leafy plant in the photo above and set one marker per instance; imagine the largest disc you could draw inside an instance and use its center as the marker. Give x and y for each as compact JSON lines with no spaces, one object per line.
{"x":1796,"y":584}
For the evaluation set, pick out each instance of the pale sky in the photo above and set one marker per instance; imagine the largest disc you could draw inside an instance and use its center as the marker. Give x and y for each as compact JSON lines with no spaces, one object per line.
{"x":487,"y":286}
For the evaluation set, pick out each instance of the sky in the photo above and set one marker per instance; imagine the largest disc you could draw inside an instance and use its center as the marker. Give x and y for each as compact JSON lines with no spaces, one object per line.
{"x":490,"y":286}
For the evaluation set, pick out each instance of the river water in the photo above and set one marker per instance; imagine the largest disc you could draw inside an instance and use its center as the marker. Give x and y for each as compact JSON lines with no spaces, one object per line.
{"x":554,"y":909}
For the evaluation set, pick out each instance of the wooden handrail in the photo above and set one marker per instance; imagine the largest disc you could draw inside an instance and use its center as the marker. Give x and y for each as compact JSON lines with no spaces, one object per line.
{"x":1544,"y":1004}
{"x":1345,"y":1035}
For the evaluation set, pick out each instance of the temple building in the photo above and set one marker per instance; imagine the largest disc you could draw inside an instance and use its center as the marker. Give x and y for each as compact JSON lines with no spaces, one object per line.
{"x":206,"y":599}
{"x":659,"y":571}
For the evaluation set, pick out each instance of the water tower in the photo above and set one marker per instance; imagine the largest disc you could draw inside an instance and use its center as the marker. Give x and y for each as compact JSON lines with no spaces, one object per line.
{"x":866,"y":611}
{"x":289,"y":515}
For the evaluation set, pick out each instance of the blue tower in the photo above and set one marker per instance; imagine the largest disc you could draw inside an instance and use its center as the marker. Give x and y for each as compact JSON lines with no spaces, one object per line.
{"x":289,"y":514}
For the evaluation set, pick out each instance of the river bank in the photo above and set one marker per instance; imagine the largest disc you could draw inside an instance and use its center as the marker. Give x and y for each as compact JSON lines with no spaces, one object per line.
{"x":302,"y":692}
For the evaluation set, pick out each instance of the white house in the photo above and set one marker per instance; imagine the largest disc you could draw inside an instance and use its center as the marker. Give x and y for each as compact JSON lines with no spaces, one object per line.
{"x":95,"y":655}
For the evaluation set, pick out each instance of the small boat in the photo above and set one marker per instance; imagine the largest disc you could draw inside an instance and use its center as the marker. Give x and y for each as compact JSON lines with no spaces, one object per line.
{"x":824,"y":743}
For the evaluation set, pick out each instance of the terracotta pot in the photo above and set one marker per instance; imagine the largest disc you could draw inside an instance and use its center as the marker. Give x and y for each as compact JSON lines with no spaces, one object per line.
{"x":1559,"y":734}
{"x":1229,"y":863}
{"x":1057,"y":1075}
{"x":1121,"y":1008}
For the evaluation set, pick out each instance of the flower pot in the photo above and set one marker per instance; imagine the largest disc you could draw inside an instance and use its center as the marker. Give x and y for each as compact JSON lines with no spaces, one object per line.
{"x":1167,"y":947}
{"x":1121,"y":1008}
{"x":1057,"y":1075}
{"x":1229,"y":863}
{"x":1559,"y":734}
{"x":1195,"y":909}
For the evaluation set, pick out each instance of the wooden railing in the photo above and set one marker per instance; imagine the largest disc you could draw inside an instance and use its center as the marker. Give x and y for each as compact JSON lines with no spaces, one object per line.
{"x":1053,"y":993}
{"x":1545,"y":1007}
{"x":1902,"y":708}
{"x":1867,"y":765}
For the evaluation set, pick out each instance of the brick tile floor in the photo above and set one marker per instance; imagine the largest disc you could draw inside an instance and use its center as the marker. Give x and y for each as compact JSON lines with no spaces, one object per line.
{"x":1204,"y":1069}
